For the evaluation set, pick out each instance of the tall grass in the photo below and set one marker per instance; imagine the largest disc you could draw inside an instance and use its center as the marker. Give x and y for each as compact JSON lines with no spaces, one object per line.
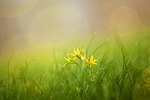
{"x":121,"y":73}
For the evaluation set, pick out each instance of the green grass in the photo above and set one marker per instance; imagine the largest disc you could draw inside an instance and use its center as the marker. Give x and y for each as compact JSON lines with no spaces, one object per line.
{"x":120,"y":73}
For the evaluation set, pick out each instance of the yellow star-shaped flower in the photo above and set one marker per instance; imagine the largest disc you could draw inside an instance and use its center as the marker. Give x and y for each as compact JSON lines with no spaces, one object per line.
{"x":91,"y":61}
{"x":79,"y":53}
{"x":69,"y":59}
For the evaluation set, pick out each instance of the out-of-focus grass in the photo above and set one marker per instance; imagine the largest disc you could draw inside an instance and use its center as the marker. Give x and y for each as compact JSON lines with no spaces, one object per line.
{"x":121,"y":72}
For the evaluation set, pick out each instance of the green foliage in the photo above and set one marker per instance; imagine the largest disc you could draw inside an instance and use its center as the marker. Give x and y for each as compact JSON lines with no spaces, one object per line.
{"x":118,"y":73}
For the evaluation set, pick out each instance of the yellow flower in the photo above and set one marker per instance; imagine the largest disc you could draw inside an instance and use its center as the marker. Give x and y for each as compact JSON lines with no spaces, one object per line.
{"x":91,"y":61}
{"x":37,"y":90}
{"x":147,"y":81}
{"x":79,"y":53}
{"x":148,"y":71}
{"x":26,"y":86}
{"x":78,"y":89}
{"x":69,"y":59}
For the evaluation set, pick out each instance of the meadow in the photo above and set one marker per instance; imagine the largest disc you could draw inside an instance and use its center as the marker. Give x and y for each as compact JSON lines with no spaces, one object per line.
{"x":95,"y":69}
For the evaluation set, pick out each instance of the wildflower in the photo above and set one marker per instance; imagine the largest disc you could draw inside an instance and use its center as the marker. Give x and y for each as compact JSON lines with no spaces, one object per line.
{"x":69,"y":59}
{"x":148,"y":71}
{"x":79,"y":53}
{"x":147,"y":81}
{"x":26,"y":86}
{"x":37,"y":90}
{"x":91,"y":61}
{"x":78,"y":89}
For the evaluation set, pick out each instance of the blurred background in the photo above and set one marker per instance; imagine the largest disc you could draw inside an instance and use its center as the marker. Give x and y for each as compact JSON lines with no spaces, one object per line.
{"x":28,"y":23}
